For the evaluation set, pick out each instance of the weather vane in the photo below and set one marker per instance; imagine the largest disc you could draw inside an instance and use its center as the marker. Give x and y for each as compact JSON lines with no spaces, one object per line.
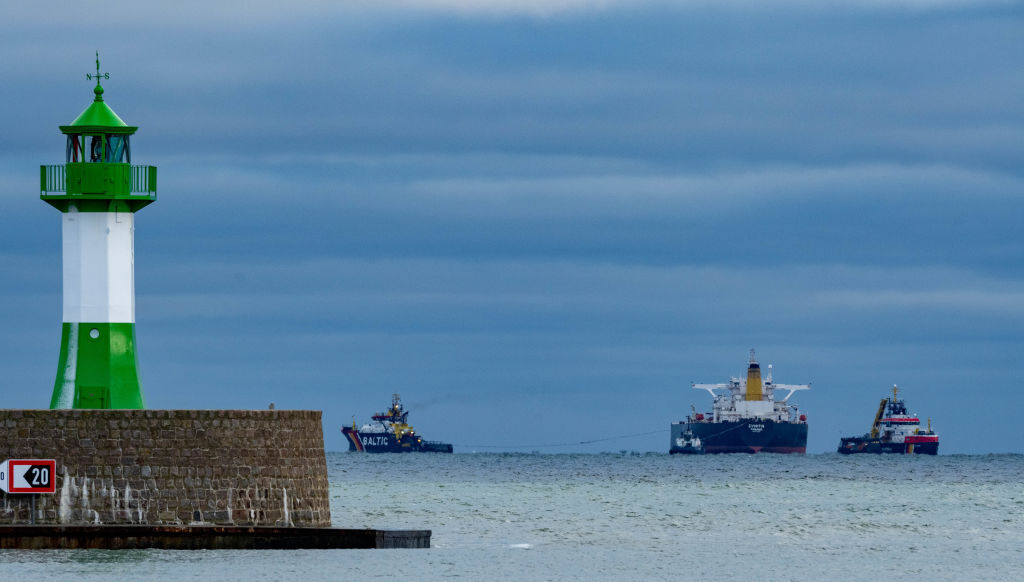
{"x":98,"y":75}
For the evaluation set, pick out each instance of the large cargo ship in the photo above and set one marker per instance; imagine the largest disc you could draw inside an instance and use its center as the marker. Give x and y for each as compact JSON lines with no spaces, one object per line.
{"x":894,"y":430}
{"x":745,"y":418}
{"x":390,"y":432}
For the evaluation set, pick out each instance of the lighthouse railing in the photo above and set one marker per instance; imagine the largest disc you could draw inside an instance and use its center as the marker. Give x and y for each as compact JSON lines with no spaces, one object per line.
{"x":53,"y":179}
{"x":144,"y":179}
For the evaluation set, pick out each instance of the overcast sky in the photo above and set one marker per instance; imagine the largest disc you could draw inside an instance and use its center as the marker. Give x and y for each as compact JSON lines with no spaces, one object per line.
{"x":540,"y":221}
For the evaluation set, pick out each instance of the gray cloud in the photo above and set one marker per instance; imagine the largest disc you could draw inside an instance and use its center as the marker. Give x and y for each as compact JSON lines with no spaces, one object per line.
{"x":585,"y":205}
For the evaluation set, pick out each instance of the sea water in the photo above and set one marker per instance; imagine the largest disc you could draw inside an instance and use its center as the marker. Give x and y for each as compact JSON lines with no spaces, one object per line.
{"x":631,"y":517}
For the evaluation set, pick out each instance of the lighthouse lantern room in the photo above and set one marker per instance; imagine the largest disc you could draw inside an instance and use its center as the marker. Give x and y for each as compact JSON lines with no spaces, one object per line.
{"x":98,"y":191}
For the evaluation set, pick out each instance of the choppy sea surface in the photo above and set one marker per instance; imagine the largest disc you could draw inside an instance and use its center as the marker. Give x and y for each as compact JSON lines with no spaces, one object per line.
{"x":631,"y":517}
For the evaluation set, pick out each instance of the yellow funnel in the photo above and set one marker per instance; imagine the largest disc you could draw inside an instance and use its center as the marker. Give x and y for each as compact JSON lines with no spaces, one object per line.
{"x":754,"y":391}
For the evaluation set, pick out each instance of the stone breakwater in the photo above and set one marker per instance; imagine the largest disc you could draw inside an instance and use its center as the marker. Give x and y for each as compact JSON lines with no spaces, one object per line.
{"x":201,"y":467}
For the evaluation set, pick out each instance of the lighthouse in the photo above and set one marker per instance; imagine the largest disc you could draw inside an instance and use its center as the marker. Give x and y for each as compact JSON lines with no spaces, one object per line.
{"x":98,"y":190}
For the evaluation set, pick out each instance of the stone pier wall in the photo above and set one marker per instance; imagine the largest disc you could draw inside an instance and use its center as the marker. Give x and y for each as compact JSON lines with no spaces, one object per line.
{"x":224,"y":467}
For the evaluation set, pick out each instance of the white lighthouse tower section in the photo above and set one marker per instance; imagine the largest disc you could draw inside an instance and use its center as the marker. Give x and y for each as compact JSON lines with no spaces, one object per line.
{"x":99,"y":267}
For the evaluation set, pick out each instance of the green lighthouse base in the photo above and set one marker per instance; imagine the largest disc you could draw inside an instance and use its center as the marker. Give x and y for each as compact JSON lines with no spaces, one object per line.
{"x":98,"y":367}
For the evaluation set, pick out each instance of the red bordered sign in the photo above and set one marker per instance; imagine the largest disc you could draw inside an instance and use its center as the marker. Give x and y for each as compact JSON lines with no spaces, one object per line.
{"x":28,"y":476}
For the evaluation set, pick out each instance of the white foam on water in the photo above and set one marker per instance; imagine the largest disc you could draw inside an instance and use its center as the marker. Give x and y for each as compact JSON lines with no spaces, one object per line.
{"x":522,"y":546}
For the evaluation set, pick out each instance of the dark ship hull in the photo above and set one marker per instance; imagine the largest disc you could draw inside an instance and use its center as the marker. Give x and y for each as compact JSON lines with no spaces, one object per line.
{"x":387,"y":443}
{"x":866,"y":444}
{"x":745,"y":436}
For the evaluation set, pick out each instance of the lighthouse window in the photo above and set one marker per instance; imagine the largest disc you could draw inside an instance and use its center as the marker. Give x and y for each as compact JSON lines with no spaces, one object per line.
{"x":96,"y":148}
{"x":117,"y":149}
{"x":74,"y":149}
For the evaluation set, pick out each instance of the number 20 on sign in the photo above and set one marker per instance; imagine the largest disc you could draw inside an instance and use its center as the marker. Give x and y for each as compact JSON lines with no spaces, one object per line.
{"x":28,"y":476}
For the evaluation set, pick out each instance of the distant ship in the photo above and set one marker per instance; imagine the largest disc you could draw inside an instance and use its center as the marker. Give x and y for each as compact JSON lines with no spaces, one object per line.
{"x":746,"y":419}
{"x":688,"y":444}
{"x":893,"y":431}
{"x":390,"y":432}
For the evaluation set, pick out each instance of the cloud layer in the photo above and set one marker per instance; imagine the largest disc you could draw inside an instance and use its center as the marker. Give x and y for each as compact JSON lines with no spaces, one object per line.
{"x":542,"y":207}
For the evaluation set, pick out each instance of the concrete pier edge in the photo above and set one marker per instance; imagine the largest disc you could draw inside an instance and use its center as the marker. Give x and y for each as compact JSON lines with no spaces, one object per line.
{"x":204,"y":537}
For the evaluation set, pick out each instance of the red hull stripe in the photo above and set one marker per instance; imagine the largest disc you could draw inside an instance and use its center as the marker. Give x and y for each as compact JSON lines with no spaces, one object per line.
{"x":353,"y":436}
{"x":920,"y":439}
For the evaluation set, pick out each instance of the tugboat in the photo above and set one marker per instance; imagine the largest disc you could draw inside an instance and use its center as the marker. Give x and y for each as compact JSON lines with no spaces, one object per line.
{"x":893,"y":431}
{"x":746,"y":419}
{"x":688,"y":444}
{"x":390,"y":432}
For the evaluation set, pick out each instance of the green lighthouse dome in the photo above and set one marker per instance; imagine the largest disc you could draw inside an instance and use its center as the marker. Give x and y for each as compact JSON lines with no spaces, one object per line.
{"x":97,"y":114}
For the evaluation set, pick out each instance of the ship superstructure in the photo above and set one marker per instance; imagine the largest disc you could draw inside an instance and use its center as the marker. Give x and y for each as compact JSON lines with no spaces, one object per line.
{"x":894,"y":430}
{"x":390,"y":432}
{"x":746,"y":418}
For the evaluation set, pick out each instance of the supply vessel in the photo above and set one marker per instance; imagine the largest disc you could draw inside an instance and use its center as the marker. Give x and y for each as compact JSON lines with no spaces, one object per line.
{"x":745,"y":418}
{"x":894,"y":430}
{"x":390,"y":432}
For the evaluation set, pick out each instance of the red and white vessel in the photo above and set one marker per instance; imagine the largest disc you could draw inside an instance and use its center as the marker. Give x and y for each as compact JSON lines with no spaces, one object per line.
{"x":893,"y":431}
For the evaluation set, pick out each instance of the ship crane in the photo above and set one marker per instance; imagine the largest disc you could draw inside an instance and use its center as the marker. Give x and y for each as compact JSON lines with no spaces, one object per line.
{"x":792,"y":388}
{"x":735,"y":384}
{"x":878,"y":418}
{"x":711,"y":388}
{"x":881,"y":410}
